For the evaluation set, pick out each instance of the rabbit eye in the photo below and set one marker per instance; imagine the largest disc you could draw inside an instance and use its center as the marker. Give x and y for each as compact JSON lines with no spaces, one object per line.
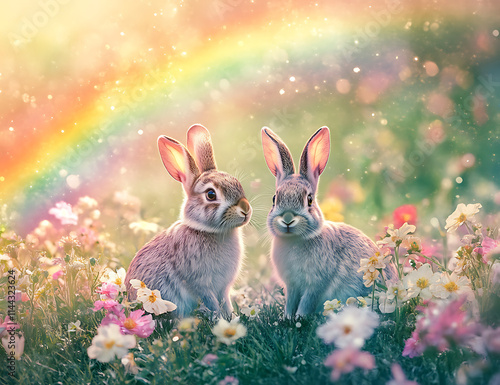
{"x":309,"y":200}
{"x":274,"y":200}
{"x":210,"y":194}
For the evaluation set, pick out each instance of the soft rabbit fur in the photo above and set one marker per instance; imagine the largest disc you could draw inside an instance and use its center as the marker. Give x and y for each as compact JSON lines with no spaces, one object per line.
{"x":199,"y":256}
{"x":316,"y":259}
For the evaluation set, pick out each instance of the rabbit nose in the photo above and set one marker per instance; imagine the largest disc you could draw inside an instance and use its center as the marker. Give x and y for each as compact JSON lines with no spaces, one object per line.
{"x":288,"y":218}
{"x":244,"y":206}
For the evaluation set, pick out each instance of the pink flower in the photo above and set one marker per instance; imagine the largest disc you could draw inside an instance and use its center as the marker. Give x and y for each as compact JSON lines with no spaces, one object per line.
{"x":405,"y":213}
{"x":441,"y":326}
{"x":135,"y":323}
{"x":209,"y":359}
{"x":487,"y":246}
{"x":108,"y":304}
{"x":108,"y":291}
{"x":7,"y":325}
{"x":413,"y":346}
{"x":64,"y":213}
{"x":346,"y":360}
{"x":229,"y":380}
{"x":57,"y":274}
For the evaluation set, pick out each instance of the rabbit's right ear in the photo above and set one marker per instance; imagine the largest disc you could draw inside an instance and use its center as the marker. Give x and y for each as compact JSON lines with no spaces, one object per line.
{"x":178,"y":161}
{"x":278,"y":157}
{"x":200,"y":146}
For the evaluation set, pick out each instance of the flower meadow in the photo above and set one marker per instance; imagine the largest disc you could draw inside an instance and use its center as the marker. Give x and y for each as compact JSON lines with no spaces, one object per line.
{"x":69,"y":319}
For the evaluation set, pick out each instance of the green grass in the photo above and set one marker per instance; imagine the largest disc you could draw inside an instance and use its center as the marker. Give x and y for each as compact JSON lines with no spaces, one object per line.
{"x":268,"y":354}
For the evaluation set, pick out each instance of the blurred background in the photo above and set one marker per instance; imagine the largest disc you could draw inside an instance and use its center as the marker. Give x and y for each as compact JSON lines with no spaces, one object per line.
{"x":409,"y":89}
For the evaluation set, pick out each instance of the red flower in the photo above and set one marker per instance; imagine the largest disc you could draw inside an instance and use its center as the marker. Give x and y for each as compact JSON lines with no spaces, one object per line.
{"x":405,"y":213}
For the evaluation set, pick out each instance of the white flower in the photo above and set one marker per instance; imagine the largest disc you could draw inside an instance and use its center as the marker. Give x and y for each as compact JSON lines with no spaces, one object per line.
{"x":137,"y":284}
{"x":117,"y":278}
{"x":385,"y":304}
{"x":153,"y":303}
{"x":228,"y":332}
{"x":392,"y":298}
{"x":396,"y":290}
{"x":419,"y":282}
{"x":110,"y":343}
{"x":143,"y":227}
{"x":74,"y":326}
{"x":461,"y":215}
{"x":331,"y":306}
{"x":412,"y":243}
{"x":251,"y":311}
{"x":351,"y":327}
{"x":396,"y":236}
{"x":375,"y":262}
{"x":369,"y":277}
{"x":452,"y":284}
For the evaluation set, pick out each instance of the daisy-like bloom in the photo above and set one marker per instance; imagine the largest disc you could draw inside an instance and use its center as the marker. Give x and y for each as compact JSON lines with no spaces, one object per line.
{"x":399,"y":377}
{"x":110,"y":343}
{"x":251,"y":311}
{"x":153,"y":303}
{"x":461,"y":215}
{"x":128,"y":362}
{"x":404,"y":214}
{"x":13,"y":344}
{"x":452,"y":285}
{"x":228,"y":332}
{"x":394,"y":237}
{"x":332,"y":306}
{"x":137,"y":284}
{"x":136,"y":323}
{"x":118,"y":277}
{"x":64,"y":213}
{"x":419,"y":282}
{"x":370,"y":277}
{"x":74,"y":327}
{"x":346,"y":360}
{"x":374,"y":263}
{"x":351,"y":327}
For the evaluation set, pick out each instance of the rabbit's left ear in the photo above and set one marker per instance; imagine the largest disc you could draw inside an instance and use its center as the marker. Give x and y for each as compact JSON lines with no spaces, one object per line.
{"x":200,"y":146}
{"x":315,"y":156}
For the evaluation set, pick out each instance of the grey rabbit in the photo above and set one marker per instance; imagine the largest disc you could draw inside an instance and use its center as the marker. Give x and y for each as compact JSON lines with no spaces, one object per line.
{"x":199,"y":256}
{"x":316,"y":259}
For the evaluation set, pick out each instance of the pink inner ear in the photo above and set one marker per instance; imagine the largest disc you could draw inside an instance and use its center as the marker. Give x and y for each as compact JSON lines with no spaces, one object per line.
{"x":319,"y":150}
{"x":271,"y":155}
{"x":172,"y":158}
